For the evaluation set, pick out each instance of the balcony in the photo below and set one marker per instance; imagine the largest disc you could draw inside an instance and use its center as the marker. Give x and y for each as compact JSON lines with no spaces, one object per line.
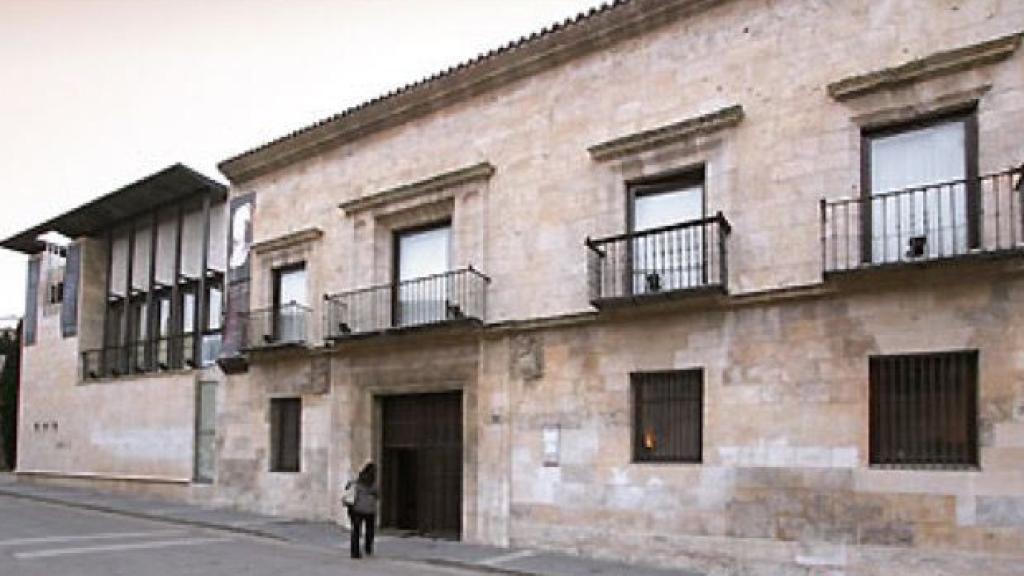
{"x":454,"y":297}
{"x":958,"y":219}
{"x":147,"y":357}
{"x":278,"y":327}
{"x":666,"y":262}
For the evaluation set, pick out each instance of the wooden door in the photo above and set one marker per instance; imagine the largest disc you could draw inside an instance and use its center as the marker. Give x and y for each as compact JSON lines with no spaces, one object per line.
{"x":422,"y":463}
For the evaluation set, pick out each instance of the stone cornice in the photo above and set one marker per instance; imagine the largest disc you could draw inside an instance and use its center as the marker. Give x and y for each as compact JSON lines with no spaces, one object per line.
{"x":667,"y":135}
{"x":937,"y":64}
{"x":541,"y":52}
{"x":476,"y":172}
{"x":303,"y":236}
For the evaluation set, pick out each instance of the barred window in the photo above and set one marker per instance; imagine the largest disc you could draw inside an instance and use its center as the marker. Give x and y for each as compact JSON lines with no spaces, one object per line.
{"x":923,"y":410}
{"x":285,"y":434}
{"x":668,"y":416}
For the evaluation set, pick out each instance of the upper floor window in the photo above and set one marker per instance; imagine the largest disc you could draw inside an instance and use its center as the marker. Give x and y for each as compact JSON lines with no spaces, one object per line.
{"x":919,"y":180}
{"x":55,"y":262}
{"x":923,"y":409}
{"x":290,"y":306}
{"x":422,"y":257}
{"x":668,"y":259}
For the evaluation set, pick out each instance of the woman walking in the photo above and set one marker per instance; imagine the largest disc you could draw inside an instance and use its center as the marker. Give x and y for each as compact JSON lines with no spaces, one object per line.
{"x":362,"y":507}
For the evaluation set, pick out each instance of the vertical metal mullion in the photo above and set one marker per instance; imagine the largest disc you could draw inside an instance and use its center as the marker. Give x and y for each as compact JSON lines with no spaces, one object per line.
{"x":176,"y":341}
{"x":152,"y":319}
{"x":199,"y":306}
{"x":997,"y":184}
{"x":928,"y":394}
{"x":126,"y":318}
{"x":106,"y":303}
{"x":895,"y":408}
{"x":873,"y":428}
{"x":971,"y":406}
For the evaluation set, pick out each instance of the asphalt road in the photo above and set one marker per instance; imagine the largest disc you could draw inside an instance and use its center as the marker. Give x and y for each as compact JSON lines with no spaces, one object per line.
{"x":38,"y":539}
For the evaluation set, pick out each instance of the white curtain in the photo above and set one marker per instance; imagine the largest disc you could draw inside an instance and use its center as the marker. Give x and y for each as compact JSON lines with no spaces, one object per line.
{"x":423,"y":254}
{"x":292,"y":301}
{"x":930,"y":158}
{"x":669,"y":260}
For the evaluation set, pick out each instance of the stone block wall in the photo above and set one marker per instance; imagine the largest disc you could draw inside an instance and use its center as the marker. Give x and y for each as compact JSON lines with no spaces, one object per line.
{"x":785,"y":480}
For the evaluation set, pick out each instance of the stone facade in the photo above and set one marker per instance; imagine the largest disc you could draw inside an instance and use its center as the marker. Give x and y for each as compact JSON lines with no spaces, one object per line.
{"x":771,"y":99}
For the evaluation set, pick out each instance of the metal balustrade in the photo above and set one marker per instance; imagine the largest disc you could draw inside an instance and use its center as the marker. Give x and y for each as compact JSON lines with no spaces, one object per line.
{"x":284,"y":325}
{"x":143,"y":357}
{"x":457,"y":295}
{"x":665,"y":261}
{"x":934,"y":222}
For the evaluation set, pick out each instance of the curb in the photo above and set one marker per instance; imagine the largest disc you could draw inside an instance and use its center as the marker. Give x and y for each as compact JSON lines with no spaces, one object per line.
{"x":142,"y":515}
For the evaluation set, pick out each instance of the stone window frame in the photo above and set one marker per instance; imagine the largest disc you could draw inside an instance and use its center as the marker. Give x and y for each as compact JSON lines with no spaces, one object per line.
{"x":699,"y":143}
{"x":644,"y":443}
{"x":291,"y":249}
{"x":384,"y":214}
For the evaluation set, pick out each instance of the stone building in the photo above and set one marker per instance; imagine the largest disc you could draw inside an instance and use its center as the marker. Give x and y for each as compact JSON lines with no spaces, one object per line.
{"x":120,"y":337}
{"x":725,"y":285}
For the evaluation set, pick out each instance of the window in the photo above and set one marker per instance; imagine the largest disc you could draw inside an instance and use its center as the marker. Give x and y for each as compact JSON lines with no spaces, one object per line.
{"x":56,"y":258}
{"x":669,"y":259}
{"x":422,"y":257}
{"x":919,"y":182}
{"x":212,"y":333}
{"x":923,"y":409}
{"x":668,"y":416}
{"x":290,"y":303}
{"x":285,"y":434}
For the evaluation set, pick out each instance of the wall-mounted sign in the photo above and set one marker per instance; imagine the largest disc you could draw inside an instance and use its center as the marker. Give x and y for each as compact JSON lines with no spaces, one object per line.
{"x":240,"y":238}
{"x":552,"y":439}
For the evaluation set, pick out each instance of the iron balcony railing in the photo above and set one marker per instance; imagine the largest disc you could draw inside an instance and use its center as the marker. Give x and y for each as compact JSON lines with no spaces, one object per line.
{"x":664,"y":261}
{"x":454,"y":296}
{"x":143,"y":357}
{"x":934,"y":222}
{"x":283,"y":325}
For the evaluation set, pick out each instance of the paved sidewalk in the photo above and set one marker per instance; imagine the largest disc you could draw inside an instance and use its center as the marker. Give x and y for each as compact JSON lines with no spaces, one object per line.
{"x":329,"y":535}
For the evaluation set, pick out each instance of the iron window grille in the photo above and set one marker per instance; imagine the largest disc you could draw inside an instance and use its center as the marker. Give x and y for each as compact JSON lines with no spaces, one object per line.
{"x":923,"y":410}
{"x":668,"y":416}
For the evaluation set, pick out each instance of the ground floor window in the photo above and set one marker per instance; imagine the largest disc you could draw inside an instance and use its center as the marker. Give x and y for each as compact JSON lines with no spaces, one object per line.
{"x":923,"y":409}
{"x":285,"y":434}
{"x":668,"y":415}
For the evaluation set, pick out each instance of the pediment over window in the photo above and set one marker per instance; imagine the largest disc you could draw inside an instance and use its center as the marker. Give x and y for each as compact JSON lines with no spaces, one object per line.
{"x":676,"y":133}
{"x":288,"y":241}
{"x":439,"y":185}
{"x":931,"y":66}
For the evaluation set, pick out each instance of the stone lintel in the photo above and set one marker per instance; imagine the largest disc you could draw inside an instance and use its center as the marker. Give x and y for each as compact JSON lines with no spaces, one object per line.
{"x":937,"y":64}
{"x":303,"y":236}
{"x":666,"y":135}
{"x":481,"y":171}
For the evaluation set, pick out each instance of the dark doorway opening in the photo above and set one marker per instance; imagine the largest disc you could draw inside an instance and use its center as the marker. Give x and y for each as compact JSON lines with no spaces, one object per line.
{"x":422,"y":463}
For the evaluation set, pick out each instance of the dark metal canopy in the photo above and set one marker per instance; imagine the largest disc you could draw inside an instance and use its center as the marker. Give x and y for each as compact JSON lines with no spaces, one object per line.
{"x":174,"y":184}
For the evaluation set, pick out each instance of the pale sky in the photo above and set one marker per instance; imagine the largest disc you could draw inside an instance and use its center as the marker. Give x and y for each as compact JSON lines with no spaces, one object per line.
{"x":95,"y":94}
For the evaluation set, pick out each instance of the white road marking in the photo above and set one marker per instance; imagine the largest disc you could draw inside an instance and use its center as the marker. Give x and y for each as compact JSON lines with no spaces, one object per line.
{"x":510,"y":557}
{"x":117,"y":547}
{"x":79,"y":537}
